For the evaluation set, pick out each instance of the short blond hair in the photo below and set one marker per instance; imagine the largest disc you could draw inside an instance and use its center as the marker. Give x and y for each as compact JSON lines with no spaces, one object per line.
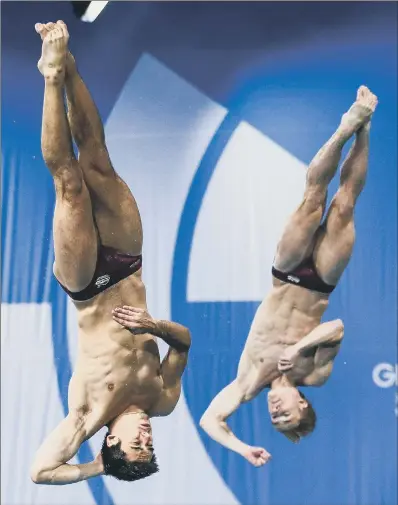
{"x":306,"y":426}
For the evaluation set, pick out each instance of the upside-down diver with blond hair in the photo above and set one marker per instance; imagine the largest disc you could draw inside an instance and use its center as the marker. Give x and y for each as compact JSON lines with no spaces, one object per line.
{"x":287,"y":345}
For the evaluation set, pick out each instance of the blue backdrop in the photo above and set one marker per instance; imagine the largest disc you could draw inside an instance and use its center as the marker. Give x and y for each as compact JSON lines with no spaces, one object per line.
{"x":182,"y":86}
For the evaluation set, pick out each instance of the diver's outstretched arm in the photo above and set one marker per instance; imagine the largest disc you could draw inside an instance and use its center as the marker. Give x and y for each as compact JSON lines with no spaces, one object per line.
{"x":50,"y":467}
{"x":214,"y":423}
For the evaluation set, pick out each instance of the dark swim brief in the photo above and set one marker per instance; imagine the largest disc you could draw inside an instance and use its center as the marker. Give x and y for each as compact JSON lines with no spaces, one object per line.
{"x":305,"y":276}
{"x":112,"y":267}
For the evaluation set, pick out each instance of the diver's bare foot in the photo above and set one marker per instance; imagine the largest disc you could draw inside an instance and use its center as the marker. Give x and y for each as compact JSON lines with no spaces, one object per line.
{"x":367,"y":98}
{"x":54,"y":49}
{"x":70,"y":60}
{"x":360,"y":112}
{"x":44,"y":29}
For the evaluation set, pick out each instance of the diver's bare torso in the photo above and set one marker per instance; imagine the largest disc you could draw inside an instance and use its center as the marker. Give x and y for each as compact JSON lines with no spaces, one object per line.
{"x":114,"y":368}
{"x":284,"y":317}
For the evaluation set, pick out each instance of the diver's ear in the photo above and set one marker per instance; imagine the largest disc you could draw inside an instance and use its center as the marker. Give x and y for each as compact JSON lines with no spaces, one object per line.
{"x":303,"y":404}
{"x":112,"y":440}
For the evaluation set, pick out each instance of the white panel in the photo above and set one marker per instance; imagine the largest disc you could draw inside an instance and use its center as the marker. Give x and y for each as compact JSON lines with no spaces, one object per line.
{"x":30,"y":405}
{"x":255,"y":188}
{"x":157,"y":134}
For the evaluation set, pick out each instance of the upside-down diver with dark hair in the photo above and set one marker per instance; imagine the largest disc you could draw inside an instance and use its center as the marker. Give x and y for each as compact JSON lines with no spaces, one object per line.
{"x":119,"y":381}
{"x":287,"y":345}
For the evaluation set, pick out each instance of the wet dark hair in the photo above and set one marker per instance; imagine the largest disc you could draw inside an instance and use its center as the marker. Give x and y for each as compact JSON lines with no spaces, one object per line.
{"x":307,"y":423}
{"x":116,"y":464}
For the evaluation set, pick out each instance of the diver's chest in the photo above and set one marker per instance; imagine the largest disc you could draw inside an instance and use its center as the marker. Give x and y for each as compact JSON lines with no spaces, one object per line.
{"x":126,"y":384}
{"x":141,"y":382}
{"x":266,"y":358}
{"x":265,"y":347}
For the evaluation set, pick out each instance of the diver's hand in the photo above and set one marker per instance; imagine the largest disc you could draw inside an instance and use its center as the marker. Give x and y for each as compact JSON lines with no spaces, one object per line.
{"x":138,"y":321}
{"x":257,"y":456}
{"x":286,"y":360}
{"x":284,"y":365}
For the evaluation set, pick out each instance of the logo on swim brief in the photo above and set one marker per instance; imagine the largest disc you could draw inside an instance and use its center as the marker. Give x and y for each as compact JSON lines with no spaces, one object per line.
{"x":135,"y":263}
{"x":102,"y":281}
{"x":292,"y":278}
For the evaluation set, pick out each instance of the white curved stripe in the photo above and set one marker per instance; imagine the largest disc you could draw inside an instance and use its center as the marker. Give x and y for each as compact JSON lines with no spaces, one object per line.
{"x":157,"y":134}
{"x":255,"y":187}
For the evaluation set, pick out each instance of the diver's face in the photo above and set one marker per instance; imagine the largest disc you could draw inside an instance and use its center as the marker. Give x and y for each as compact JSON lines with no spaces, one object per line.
{"x":285,"y":407}
{"x":134,"y":433}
